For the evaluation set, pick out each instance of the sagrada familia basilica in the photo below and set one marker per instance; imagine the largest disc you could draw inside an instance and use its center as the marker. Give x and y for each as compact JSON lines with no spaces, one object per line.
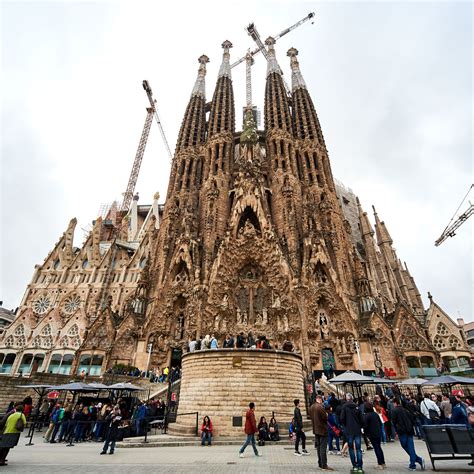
{"x":255,"y":235}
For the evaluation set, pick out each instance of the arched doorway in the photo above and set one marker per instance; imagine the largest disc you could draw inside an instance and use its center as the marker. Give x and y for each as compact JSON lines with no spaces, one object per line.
{"x":329,"y":362}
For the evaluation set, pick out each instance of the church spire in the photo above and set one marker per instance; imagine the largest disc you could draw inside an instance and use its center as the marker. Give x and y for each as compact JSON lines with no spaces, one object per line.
{"x":222,"y":115}
{"x":381,"y":230}
{"x":297,"y":81}
{"x":225,"y":70}
{"x":199,"y":88}
{"x":365,"y":226}
{"x":277,"y":109}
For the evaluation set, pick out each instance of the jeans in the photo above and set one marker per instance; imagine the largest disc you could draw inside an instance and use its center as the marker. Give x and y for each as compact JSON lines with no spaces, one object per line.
{"x":98,"y":429}
{"x":106,"y":445}
{"x":55,"y":431}
{"x":79,"y":432}
{"x":138,"y":426}
{"x":250,"y":439}
{"x":321,"y":442}
{"x":356,"y":457}
{"x":332,"y":436}
{"x":384,"y":433}
{"x":64,"y":428}
{"x":300,"y":435}
{"x":406,"y":442}
{"x":378,"y":450}
{"x":206,"y":435}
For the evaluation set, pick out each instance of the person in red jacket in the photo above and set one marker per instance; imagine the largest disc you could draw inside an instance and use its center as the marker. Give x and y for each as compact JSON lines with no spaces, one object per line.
{"x":250,"y":430}
{"x":206,"y":431}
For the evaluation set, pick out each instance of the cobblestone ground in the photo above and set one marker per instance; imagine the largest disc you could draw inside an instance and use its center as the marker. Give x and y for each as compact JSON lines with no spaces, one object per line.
{"x":85,"y":458}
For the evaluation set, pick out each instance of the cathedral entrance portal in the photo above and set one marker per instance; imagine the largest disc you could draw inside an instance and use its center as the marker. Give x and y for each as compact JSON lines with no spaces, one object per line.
{"x":329,"y":363}
{"x":176,"y":354}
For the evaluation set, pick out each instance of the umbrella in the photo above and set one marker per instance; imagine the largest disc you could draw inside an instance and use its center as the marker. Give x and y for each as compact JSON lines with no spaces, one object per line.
{"x":98,"y":386}
{"x":382,"y":380}
{"x":351,"y":377}
{"x":414,"y":381}
{"x":40,"y":389}
{"x":75,"y":387}
{"x":450,"y":380}
{"x":124,"y":386}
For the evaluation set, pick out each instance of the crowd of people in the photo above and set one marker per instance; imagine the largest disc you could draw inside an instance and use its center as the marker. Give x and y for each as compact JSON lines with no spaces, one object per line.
{"x":241,"y":341}
{"x":340,"y":425}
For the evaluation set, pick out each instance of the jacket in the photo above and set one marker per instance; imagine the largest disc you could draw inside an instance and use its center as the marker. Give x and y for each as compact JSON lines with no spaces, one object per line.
{"x":319,"y":419}
{"x":250,"y":423}
{"x":205,"y":428}
{"x":426,"y":405}
{"x":459,"y":415}
{"x":298,"y":419}
{"x":372,"y":426}
{"x":402,"y":421}
{"x":351,"y":419}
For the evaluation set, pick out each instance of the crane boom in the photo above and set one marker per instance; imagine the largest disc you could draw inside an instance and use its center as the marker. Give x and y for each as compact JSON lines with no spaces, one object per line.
{"x":252,"y":31}
{"x":149,"y":93}
{"x":450,"y":229}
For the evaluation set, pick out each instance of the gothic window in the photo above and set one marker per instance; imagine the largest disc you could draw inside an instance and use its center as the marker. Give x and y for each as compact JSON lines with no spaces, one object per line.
{"x":20,"y":330}
{"x":21,"y":341}
{"x":57,"y":264}
{"x":320,"y":273}
{"x":75,"y":342}
{"x":71,"y":304}
{"x":454,"y":343}
{"x":46,"y":330}
{"x":386,"y":344}
{"x":250,"y":272}
{"x":73,"y":330}
{"x":47,"y":342}
{"x":42,"y":304}
{"x":439,"y":342}
{"x":9,"y":342}
{"x":37,"y":341}
{"x":248,"y":217}
{"x":406,"y":343}
{"x":64,"y":342}
{"x":442,"y":330}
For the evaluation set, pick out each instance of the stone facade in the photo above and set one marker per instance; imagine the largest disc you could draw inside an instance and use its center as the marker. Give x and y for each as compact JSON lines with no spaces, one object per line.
{"x":221,"y":383}
{"x":255,"y":235}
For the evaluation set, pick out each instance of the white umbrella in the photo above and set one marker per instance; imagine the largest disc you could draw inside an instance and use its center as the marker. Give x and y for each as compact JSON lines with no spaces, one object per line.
{"x":413,"y":381}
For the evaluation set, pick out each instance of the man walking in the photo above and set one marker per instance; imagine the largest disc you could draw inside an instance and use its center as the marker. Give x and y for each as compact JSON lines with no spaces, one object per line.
{"x":300,"y":434}
{"x":351,"y":419}
{"x":250,"y":430}
{"x":319,"y":420}
{"x":430,"y":410}
{"x":403,"y":422}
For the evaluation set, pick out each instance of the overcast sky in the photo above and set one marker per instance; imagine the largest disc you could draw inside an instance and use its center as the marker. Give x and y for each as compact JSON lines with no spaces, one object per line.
{"x":392,"y":84}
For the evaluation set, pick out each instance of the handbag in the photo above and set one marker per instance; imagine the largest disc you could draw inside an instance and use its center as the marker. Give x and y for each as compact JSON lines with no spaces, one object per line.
{"x":19,"y":425}
{"x":336,"y":431}
{"x":433,"y":414}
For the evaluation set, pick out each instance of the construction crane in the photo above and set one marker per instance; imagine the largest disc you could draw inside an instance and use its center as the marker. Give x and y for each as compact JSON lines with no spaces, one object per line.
{"x":252,"y":31}
{"x":132,"y":181}
{"x":450,"y":229}
{"x":149,"y":93}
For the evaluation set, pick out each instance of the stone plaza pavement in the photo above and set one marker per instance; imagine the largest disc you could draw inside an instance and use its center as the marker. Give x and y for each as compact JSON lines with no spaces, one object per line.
{"x":85,"y":458}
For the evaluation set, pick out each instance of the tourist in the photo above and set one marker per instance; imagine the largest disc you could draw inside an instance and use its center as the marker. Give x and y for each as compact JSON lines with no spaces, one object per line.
{"x":403,"y":422}
{"x":240,"y":341}
{"x":113,"y":421}
{"x":459,"y":412}
{"x":27,"y":406}
{"x":228,"y":342}
{"x":446,"y":409}
{"x":214,"y":344}
{"x":139,"y":417}
{"x":14,"y":425}
{"x":250,"y":429}
{"x":57,"y":419}
{"x":300,"y":434}
{"x":412,"y":406}
{"x":351,"y":419}
{"x":251,"y":341}
{"x":382,"y":414}
{"x":67,"y":417}
{"x":262,"y":431}
{"x":192,"y":345}
{"x":430,"y":410}
{"x":206,"y":342}
{"x":206,"y":431}
{"x":273,"y":430}
{"x":373,"y":429}
{"x":198,"y":344}
{"x":288,"y":347}
{"x":166,"y":372}
{"x":334,"y":432}
{"x":319,"y":420}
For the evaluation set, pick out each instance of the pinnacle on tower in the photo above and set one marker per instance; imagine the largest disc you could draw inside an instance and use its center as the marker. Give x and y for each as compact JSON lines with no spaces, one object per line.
{"x":199,"y":88}
{"x":297,"y":81}
{"x":225,"y":66}
{"x":193,"y":127}
{"x":365,"y":226}
{"x":381,"y":231}
{"x":222,"y":114}
{"x":272,"y":64}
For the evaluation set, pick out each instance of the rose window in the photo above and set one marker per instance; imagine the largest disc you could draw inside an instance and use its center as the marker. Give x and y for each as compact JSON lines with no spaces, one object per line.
{"x":9,"y":342}
{"x":71,"y":304}
{"x":41,"y":305}
{"x":454,"y":342}
{"x":439,"y":342}
{"x":20,"y":330}
{"x":442,"y":330}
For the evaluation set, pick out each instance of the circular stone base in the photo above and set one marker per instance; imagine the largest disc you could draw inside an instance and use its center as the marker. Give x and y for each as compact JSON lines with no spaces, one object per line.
{"x":221,"y":383}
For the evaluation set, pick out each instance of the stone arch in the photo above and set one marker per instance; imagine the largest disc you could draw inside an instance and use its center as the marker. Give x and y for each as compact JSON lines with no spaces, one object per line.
{"x":248,"y":216}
